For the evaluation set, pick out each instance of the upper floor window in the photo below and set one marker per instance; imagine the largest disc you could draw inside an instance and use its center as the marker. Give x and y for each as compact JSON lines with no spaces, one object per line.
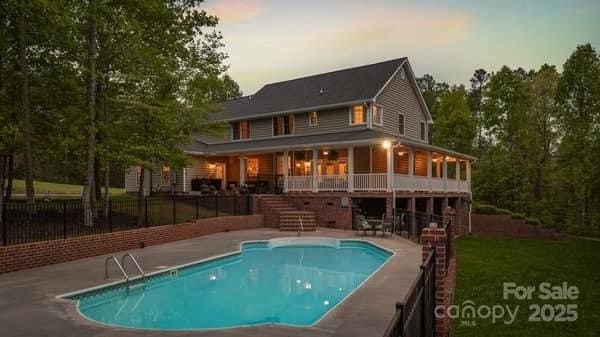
{"x":241,"y":130}
{"x":377,"y":114}
{"x":312,"y":118}
{"x":283,"y":125}
{"x":358,"y":114}
{"x":423,"y":131}
{"x":401,"y":124}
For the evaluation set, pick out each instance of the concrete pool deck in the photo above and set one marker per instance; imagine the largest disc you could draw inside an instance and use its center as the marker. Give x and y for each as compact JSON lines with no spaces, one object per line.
{"x":28,"y":304}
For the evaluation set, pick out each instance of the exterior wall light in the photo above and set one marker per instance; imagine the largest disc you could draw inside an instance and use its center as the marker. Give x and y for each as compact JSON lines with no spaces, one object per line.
{"x":386,"y":144}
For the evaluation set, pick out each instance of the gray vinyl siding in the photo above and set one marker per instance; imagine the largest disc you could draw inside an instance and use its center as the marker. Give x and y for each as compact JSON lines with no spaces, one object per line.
{"x":131,"y":180}
{"x":399,"y":96}
{"x":211,"y":139}
{"x":328,"y":121}
{"x":261,"y":128}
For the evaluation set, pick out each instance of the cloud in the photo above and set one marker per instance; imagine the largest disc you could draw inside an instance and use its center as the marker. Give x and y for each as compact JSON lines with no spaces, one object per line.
{"x":234,"y":10}
{"x":409,"y":27}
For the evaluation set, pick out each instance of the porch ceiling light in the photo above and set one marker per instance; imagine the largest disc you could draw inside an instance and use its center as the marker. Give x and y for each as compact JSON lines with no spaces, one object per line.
{"x":325,"y":152}
{"x":212,"y":165}
{"x":386,"y":144}
{"x":401,"y":153}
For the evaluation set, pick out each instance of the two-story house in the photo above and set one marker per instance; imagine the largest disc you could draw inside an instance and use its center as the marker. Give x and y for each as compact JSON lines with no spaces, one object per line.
{"x":352,"y":137}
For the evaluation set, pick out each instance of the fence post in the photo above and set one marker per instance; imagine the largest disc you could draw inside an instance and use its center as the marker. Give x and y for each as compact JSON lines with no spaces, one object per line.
{"x":145,"y":212}
{"x":4,"y":226}
{"x":196,"y":207}
{"x":65,"y":218}
{"x":110,"y":229}
{"x":174,"y":212}
{"x":248,"y":212}
{"x":216,"y":205}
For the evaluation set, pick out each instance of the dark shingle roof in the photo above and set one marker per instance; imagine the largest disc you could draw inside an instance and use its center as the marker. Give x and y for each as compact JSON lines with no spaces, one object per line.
{"x":341,"y":86}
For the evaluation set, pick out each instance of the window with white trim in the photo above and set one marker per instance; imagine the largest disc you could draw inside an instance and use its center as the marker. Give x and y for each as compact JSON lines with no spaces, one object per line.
{"x":401,"y":124}
{"x":423,"y":131}
{"x":377,"y":114}
{"x":165,"y":177}
{"x":240,"y":130}
{"x":283,"y":125}
{"x":358,"y":114}
{"x":312,"y":118}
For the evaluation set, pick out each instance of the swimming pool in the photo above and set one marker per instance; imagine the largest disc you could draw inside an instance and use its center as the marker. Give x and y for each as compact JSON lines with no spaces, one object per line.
{"x":292,"y":281}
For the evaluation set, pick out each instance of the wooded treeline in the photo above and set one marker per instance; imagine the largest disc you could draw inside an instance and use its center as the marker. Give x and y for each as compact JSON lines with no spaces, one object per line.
{"x":536,"y":134}
{"x":90,"y":87}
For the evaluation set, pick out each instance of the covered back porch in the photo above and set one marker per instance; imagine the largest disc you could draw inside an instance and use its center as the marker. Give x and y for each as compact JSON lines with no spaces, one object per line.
{"x":376,"y":167}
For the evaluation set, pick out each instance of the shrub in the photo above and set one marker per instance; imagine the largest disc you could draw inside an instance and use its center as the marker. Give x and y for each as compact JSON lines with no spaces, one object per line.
{"x":518,"y":216}
{"x":533,"y":221}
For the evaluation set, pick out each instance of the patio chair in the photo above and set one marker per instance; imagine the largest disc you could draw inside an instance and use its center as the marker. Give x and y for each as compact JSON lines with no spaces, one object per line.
{"x":362,"y":224}
{"x":382,"y":226}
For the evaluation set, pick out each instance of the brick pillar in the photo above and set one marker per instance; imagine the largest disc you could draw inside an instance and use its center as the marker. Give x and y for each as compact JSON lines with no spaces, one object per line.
{"x":389,"y":208}
{"x":450,"y":216}
{"x":430,"y":239}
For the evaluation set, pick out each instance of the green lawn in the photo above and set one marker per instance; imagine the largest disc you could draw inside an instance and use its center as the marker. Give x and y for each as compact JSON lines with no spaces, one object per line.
{"x":55,"y":189}
{"x":484,"y":264}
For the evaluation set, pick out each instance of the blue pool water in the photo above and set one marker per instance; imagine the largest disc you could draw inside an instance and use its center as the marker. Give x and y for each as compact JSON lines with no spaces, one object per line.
{"x":279,"y":282}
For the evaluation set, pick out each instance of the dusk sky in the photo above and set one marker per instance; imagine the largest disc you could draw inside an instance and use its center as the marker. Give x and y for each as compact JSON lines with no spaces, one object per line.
{"x":270,"y":41}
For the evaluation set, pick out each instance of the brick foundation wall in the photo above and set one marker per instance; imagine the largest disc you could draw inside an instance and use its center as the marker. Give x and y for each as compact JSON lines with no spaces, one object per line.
{"x":37,"y":254}
{"x":327,"y":208}
{"x":503,"y":225}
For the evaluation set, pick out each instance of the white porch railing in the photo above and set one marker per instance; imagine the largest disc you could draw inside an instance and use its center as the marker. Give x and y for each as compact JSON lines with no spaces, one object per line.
{"x":370,"y":182}
{"x":378,"y":182}
{"x":299,"y":183}
{"x":333,"y":183}
{"x":421,"y":183}
{"x":437,"y":185}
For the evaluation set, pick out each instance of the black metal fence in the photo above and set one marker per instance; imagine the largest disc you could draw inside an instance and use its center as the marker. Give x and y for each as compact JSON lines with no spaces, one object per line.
{"x":414,"y":317}
{"x":55,"y":220}
{"x":413,"y":223}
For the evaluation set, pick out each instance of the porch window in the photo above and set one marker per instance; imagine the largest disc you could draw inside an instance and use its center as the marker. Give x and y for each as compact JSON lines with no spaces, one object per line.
{"x":252,"y":167}
{"x":377,"y":115}
{"x":401,"y":124}
{"x":165,"y":177}
{"x":240,"y":130}
{"x":283,"y":125}
{"x":312,"y":118}
{"x":358,"y":114}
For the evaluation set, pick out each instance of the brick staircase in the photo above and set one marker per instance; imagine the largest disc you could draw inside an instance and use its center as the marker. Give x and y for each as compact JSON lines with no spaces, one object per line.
{"x":285,"y":215}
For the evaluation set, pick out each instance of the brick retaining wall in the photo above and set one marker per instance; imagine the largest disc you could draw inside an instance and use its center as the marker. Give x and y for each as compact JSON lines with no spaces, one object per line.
{"x":37,"y":254}
{"x":503,"y":225}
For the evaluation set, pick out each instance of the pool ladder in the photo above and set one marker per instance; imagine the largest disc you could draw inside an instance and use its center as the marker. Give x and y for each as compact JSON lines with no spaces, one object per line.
{"x":122,"y":270}
{"x":300,"y":226}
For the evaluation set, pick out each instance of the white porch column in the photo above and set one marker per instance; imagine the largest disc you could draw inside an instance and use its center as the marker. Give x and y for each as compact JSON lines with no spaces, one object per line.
{"x":242,"y":170}
{"x":315,"y":172}
{"x":285,"y":169}
{"x":350,"y":169}
{"x":468,"y":167}
{"x":184,"y":178}
{"x":411,"y":167}
{"x":429,"y":168}
{"x":445,"y":173}
{"x":390,"y":168}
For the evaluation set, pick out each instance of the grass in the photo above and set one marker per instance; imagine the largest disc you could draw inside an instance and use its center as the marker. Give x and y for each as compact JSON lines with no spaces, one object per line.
{"x":484,"y":264}
{"x":55,"y":189}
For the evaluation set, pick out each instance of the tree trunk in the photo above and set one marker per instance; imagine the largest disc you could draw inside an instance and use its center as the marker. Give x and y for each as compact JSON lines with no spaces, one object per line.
{"x":97,"y":178}
{"x":88,"y":187}
{"x":3,"y":163}
{"x":141,"y":199}
{"x":25,"y":111}
{"x":10,"y":177}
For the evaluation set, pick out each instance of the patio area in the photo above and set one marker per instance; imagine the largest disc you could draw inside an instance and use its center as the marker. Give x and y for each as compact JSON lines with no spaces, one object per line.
{"x":29,"y":306}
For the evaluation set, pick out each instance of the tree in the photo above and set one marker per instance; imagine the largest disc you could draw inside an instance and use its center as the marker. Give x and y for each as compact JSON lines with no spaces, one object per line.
{"x":455,"y":127}
{"x":479,"y":82}
{"x":578,"y":95}
{"x":432,"y":91}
